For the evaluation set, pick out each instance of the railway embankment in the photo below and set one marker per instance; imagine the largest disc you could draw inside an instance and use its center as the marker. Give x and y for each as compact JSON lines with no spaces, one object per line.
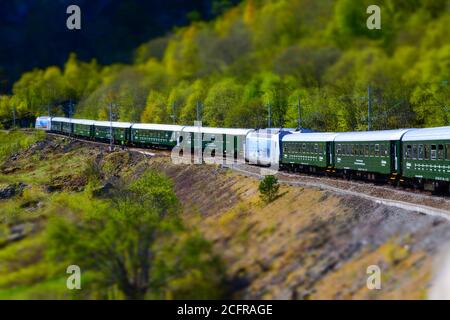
{"x":311,"y":242}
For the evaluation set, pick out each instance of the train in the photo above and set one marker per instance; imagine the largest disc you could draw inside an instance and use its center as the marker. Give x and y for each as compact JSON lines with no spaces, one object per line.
{"x":412,"y":157}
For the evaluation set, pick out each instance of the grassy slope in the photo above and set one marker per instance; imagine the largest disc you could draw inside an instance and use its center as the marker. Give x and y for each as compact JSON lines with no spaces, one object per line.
{"x":307,"y":244}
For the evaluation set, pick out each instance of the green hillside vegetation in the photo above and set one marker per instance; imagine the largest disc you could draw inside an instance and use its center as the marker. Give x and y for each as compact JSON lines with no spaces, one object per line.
{"x":129,"y":241}
{"x":266,"y":52}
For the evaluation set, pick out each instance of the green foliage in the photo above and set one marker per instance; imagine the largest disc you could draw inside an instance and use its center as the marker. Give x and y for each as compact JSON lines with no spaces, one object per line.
{"x":135,"y":243}
{"x":268,"y":52}
{"x":155,"y":111}
{"x":269,"y":188}
{"x":186,"y":268}
{"x":13,"y":141}
{"x":223,"y":96}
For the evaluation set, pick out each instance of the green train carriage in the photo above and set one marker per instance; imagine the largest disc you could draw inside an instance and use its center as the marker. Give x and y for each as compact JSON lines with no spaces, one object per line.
{"x":373,"y":155}
{"x":61,"y":125}
{"x":83,"y":128}
{"x":308,"y":152}
{"x":55,"y":124}
{"x":229,"y":142}
{"x":426,"y":157}
{"x":155,"y":135}
{"x":121,"y":131}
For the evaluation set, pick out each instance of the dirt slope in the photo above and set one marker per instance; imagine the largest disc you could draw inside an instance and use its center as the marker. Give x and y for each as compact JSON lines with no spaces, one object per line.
{"x":308,"y":244}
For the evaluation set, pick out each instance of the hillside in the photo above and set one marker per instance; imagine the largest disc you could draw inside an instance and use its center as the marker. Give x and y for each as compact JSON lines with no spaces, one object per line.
{"x":307,"y":244}
{"x":261,"y":55}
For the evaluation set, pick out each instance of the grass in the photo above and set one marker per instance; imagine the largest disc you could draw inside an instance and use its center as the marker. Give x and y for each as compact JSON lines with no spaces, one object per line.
{"x":13,"y":141}
{"x":24,"y":271}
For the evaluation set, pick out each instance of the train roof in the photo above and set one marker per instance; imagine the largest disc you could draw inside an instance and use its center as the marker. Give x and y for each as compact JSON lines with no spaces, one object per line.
{"x":437,"y":133}
{"x":275,"y":130}
{"x":156,"y":126}
{"x":211,"y":130}
{"x":381,"y":135}
{"x":115,"y":124}
{"x":310,"y":136}
{"x":83,"y":121}
{"x":60,"y":119}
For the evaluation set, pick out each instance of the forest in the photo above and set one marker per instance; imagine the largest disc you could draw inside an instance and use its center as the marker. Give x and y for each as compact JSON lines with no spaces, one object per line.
{"x":263,"y":55}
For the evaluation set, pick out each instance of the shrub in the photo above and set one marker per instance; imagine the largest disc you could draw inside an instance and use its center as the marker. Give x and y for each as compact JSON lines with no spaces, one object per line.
{"x":135,"y":243}
{"x":269,"y":188}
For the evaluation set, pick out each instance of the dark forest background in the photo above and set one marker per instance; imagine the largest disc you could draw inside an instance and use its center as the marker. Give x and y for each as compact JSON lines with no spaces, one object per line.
{"x":242,"y":63}
{"x":33,"y":33}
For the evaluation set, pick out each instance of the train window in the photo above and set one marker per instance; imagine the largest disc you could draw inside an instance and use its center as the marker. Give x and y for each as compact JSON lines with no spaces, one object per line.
{"x":407,"y":151}
{"x":447,"y":151}
{"x":377,"y":150}
{"x":440,"y":152}
{"x":420,"y":152}
{"x":382,"y":150}
{"x":338,"y":149}
{"x":414,"y":151}
{"x":433,"y":152}
{"x":426,"y":152}
{"x":304,"y":147}
{"x":320,"y":148}
{"x":316,"y":148}
{"x":344,"y":149}
{"x":371,"y":150}
{"x":366,"y":150}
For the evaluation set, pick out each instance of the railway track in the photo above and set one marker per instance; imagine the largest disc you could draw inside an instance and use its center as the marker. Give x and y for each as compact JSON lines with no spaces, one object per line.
{"x":420,"y":202}
{"x":415,"y":202}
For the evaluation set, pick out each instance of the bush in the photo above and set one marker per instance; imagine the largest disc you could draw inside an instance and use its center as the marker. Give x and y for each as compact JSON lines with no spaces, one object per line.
{"x":135,"y":243}
{"x":269,"y":188}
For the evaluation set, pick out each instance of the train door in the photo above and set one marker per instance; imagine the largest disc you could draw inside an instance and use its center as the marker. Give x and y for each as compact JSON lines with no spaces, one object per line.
{"x":329,"y":153}
{"x":394,"y":156}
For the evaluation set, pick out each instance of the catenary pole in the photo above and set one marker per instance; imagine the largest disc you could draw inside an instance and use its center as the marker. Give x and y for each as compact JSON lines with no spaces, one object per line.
{"x":369,"y":108}
{"x":110,"y":128}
